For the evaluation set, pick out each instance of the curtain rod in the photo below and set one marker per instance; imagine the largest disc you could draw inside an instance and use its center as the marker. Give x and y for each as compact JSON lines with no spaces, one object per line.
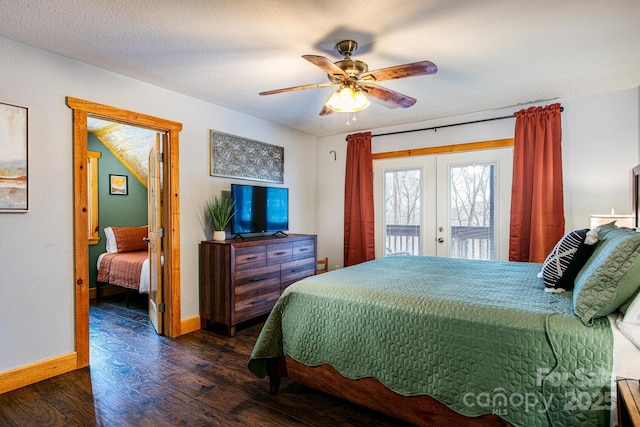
{"x":435,"y":128}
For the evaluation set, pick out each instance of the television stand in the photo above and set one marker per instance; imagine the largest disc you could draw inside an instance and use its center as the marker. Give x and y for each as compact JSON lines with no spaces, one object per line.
{"x":238,"y":236}
{"x":242,"y":279}
{"x":278,"y":233}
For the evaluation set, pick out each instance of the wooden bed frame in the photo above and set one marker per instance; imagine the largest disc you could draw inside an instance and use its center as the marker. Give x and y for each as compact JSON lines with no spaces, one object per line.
{"x":369,"y":392}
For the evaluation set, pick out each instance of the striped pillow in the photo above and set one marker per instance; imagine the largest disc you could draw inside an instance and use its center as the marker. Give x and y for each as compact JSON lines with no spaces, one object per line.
{"x":565,"y":261}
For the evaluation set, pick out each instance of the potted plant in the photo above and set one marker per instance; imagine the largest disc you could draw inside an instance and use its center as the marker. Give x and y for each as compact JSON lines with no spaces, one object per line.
{"x":221,"y":210}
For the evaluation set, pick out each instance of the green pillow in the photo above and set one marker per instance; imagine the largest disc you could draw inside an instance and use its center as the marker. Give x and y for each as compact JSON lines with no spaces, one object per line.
{"x":610,"y":277}
{"x":604,"y":229}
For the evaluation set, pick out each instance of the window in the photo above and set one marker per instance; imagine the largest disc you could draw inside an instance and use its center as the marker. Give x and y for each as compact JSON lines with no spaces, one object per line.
{"x":402,"y":189}
{"x":471,"y":190}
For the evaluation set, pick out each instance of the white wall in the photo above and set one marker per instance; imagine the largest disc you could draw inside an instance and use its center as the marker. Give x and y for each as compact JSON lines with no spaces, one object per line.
{"x":600,"y":146}
{"x":36,"y":248}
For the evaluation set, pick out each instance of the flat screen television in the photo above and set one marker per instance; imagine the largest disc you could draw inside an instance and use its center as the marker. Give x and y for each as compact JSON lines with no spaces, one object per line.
{"x":259,"y":209}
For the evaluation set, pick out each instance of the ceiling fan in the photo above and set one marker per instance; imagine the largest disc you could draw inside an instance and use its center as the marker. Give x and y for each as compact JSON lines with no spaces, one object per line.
{"x":355,"y":80}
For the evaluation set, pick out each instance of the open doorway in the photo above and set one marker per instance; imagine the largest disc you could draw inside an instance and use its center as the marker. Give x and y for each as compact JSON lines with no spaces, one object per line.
{"x":170,"y":215}
{"x":123,"y":207}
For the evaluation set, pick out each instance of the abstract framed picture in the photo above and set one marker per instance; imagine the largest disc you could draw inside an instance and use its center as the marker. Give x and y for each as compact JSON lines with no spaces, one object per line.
{"x":118,"y":185}
{"x":236,"y":157}
{"x":14,"y":158}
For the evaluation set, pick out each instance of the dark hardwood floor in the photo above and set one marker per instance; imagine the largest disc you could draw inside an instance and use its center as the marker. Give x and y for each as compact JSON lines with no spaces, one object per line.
{"x":138,"y":378}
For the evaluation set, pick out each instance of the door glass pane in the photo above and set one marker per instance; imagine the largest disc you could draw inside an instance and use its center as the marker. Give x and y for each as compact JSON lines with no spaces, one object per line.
{"x":402,"y":193}
{"x":472,"y":211}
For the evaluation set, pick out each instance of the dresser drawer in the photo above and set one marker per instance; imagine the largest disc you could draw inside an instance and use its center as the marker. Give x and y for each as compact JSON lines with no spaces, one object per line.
{"x":279,"y":253}
{"x":304,"y":249}
{"x":250,"y":257}
{"x":261,"y":276}
{"x":295,"y":270}
{"x":257,"y":307}
{"x":256,"y":291}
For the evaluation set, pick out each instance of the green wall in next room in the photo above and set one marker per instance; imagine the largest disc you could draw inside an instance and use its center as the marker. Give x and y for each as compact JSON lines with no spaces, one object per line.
{"x":114,"y":210}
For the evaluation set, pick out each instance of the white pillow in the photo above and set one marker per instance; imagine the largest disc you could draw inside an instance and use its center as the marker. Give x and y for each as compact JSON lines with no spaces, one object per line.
{"x":631,"y":332}
{"x":629,"y":325}
{"x":112,"y":246}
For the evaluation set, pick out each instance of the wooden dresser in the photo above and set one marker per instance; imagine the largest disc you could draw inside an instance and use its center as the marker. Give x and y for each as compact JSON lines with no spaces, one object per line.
{"x":242,"y":279}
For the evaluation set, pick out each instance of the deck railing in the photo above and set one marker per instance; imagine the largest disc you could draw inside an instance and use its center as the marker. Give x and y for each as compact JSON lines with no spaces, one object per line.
{"x":403,"y":239}
{"x":471,"y":242}
{"x":466,"y":242}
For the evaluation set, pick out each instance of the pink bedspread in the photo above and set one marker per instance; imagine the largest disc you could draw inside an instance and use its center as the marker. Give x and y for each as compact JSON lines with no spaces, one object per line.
{"x":122,"y":269}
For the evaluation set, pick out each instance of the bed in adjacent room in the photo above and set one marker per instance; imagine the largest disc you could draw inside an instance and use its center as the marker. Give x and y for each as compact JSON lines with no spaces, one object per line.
{"x":453,"y":342}
{"x":126,"y":262}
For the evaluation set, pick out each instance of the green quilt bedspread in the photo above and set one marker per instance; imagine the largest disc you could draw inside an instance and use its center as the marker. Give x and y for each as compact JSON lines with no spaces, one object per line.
{"x":481,"y":337}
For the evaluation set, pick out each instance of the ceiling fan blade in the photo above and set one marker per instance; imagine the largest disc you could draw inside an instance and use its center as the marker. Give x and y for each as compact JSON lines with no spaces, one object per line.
{"x":401,"y":71}
{"x":326,"y":65}
{"x":291,"y":89}
{"x":396,"y":99}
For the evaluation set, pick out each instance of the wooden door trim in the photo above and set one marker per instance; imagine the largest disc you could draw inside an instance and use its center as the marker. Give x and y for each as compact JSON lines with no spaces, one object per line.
{"x":454,"y":148}
{"x":81,"y":110}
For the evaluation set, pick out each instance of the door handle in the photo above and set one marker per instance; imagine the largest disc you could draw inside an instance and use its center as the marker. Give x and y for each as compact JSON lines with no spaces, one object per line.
{"x":440,"y":240}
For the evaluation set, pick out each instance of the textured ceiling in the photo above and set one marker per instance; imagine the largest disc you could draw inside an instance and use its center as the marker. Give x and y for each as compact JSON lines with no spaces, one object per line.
{"x":490,"y":54}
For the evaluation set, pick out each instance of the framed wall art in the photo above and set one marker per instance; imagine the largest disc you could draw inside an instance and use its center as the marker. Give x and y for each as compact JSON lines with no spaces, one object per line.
{"x":236,"y":157}
{"x":118,"y":185}
{"x":14,"y":158}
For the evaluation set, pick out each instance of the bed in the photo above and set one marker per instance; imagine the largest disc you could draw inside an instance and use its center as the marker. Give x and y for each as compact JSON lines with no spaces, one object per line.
{"x":128,"y":270}
{"x":126,"y":262}
{"x":439,"y":341}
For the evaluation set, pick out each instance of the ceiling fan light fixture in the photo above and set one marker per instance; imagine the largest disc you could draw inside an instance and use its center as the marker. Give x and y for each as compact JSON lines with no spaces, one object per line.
{"x":347,"y":100}
{"x":356,"y":83}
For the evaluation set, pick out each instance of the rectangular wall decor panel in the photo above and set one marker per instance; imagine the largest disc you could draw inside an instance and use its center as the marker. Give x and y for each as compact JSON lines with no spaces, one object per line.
{"x":236,"y":157}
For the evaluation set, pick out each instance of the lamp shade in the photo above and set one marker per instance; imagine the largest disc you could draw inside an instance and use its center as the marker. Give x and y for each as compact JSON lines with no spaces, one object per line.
{"x":347,"y":100}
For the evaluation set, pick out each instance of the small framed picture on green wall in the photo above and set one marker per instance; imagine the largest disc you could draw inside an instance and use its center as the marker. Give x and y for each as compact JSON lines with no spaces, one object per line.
{"x":118,"y":185}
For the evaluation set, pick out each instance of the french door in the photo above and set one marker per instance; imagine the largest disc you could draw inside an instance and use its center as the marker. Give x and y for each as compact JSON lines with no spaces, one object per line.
{"x":448,"y":205}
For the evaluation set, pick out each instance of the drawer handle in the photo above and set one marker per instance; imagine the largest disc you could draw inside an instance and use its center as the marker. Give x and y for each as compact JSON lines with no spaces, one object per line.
{"x":249,"y":258}
{"x":304,"y":249}
{"x":280,"y":253}
{"x":258,"y":301}
{"x":259,"y":279}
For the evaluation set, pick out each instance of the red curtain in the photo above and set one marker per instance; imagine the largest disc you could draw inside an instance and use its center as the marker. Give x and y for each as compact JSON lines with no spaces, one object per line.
{"x":537,"y":201}
{"x":358,"y":201}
